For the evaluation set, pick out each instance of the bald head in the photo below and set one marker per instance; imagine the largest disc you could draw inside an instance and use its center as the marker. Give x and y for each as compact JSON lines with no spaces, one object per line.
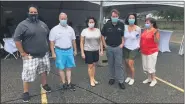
{"x":63,"y":16}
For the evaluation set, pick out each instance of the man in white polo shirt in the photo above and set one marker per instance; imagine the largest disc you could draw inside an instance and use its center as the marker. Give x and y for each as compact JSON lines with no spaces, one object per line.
{"x":62,"y":37}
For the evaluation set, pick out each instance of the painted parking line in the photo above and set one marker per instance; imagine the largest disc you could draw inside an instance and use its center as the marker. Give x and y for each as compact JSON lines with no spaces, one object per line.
{"x":171,"y":85}
{"x":178,"y":42}
{"x":43,"y":97}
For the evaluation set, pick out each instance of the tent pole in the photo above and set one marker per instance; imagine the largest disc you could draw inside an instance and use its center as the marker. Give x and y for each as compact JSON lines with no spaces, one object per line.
{"x":2,"y":11}
{"x":101,"y":15}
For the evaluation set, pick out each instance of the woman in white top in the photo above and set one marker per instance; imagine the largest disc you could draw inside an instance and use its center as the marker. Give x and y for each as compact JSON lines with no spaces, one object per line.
{"x":131,"y":46}
{"x":91,"y":46}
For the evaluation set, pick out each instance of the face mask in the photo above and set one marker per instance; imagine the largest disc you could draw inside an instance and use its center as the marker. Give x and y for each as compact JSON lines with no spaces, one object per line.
{"x":63,"y":22}
{"x":33,"y":17}
{"x":91,"y":25}
{"x":114,"y":20}
{"x":147,"y":25}
{"x":131,"y":21}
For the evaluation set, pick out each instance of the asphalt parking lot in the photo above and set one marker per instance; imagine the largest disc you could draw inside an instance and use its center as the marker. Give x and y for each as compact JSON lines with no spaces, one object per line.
{"x":170,"y":68}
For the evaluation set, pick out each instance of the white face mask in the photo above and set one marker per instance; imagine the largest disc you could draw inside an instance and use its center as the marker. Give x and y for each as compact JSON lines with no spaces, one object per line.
{"x":91,"y":25}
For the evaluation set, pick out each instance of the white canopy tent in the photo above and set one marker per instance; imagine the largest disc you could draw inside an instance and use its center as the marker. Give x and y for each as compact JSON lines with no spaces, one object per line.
{"x":78,"y":11}
{"x":137,"y":5}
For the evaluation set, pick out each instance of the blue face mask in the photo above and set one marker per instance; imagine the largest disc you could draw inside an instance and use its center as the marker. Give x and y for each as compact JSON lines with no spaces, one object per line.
{"x":131,"y":21}
{"x":114,"y":20}
{"x":147,"y":25}
{"x":63,"y":22}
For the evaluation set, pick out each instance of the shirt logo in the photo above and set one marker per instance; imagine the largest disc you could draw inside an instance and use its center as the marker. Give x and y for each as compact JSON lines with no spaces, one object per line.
{"x":119,"y":29}
{"x":109,"y":30}
{"x":42,"y":26}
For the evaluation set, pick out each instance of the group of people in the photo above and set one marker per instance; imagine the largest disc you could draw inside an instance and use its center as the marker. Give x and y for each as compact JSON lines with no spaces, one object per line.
{"x":121,"y":41}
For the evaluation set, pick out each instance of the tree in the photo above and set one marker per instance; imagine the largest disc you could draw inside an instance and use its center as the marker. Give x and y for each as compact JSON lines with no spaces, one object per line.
{"x":171,"y":14}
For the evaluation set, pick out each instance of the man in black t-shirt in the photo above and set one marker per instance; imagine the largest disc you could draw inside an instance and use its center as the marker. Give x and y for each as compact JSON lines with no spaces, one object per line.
{"x":112,"y":37}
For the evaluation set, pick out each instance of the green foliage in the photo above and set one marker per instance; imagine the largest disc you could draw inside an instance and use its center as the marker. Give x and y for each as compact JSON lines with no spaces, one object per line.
{"x":171,"y":14}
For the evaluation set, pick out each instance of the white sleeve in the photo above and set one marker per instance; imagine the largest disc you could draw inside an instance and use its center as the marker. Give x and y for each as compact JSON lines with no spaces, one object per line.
{"x":139,"y":31}
{"x":99,"y":31}
{"x":73,"y":34}
{"x":52,"y":36}
{"x":83,"y":33}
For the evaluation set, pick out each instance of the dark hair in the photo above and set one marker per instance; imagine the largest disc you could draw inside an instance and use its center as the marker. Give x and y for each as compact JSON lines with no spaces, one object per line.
{"x":152,"y":21}
{"x":87,"y":21}
{"x":32,"y":5}
{"x":127,"y":18}
{"x":70,"y":23}
{"x":115,"y":11}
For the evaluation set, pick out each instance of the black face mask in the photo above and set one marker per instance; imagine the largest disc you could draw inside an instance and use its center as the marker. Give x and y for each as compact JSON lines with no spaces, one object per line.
{"x":33,"y":17}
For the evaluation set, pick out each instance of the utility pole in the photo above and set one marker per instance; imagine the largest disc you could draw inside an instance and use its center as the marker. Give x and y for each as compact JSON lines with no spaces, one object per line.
{"x":101,"y":15}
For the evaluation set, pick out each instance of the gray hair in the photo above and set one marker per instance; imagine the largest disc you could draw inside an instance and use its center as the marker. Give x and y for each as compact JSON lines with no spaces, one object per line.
{"x":62,"y":13}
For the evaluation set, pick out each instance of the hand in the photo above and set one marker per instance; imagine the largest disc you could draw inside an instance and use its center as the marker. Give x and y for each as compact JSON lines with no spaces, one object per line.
{"x":53,"y":55}
{"x":26,"y":56}
{"x":75,"y":53}
{"x":83,"y":55}
{"x":101,"y":53}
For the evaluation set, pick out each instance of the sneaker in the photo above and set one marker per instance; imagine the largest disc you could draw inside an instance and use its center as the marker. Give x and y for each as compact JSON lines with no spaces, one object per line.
{"x":146,"y":81}
{"x":96,"y":82}
{"x":121,"y":85}
{"x":127,"y":80}
{"x":153,"y":83}
{"x":131,"y":82}
{"x":46,"y":88}
{"x":111,"y":81}
{"x":71,"y":87}
{"x":26,"y":97}
{"x":64,"y":86}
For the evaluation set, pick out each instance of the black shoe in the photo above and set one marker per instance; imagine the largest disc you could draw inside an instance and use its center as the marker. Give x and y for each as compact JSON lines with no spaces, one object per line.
{"x":46,"y":88}
{"x":64,"y":86}
{"x":71,"y":87}
{"x":26,"y":97}
{"x":111,"y":81}
{"x":121,"y":85}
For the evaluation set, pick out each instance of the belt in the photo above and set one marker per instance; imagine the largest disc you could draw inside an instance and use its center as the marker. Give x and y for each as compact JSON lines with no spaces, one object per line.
{"x":62,"y":48}
{"x":113,"y":45}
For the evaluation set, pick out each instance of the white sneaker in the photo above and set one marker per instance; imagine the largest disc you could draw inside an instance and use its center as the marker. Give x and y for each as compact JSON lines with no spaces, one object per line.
{"x":146,"y":81}
{"x":131,"y":82}
{"x":153,"y":83}
{"x":128,"y":79}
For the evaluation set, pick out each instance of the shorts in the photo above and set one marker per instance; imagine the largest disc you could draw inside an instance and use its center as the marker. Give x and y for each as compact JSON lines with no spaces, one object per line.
{"x":64,"y":58}
{"x":149,"y":62}
{"x":33,"y":66}
{"x":130,"y":54}
{"x":91,"y":56}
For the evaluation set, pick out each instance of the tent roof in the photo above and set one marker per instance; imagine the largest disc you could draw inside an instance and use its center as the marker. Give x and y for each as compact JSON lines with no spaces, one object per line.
{"x":121,"y":2}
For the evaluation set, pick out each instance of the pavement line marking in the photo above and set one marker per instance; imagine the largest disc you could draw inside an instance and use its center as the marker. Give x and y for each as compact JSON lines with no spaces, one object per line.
{"x":176,"y":42}
{"x":169,"y":84}
{"x":43,"y":97}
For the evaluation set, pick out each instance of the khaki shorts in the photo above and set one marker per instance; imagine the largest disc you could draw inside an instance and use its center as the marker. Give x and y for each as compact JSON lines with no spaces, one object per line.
{"x":130,"y":54}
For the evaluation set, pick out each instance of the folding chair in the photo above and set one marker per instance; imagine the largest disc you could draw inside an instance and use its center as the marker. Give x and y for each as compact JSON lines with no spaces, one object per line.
{"x":10,"y":47}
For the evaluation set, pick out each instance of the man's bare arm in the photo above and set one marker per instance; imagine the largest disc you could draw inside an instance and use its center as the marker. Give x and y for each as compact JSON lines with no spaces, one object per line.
{"x":103,"y":41}
{"x":52,"y":44}
{"x":20,"y":48}
{"x":74,"y":46}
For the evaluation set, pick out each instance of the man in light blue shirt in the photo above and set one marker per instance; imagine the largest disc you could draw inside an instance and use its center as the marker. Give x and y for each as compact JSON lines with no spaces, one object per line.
{"x":62,"y":38}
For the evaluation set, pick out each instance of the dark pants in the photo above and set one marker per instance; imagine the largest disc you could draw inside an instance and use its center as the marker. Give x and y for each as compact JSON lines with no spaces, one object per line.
{"x":115,"y":63}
